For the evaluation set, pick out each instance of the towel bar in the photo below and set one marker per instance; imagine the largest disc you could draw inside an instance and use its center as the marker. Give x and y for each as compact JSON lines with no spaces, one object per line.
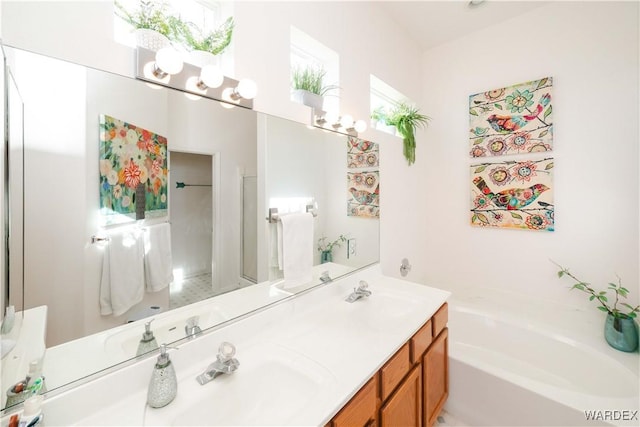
{"x":274,"y":216}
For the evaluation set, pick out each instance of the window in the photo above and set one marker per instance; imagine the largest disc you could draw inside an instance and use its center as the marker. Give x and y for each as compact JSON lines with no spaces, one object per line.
{"x":383,"y":98}
{"x":306,"y":51}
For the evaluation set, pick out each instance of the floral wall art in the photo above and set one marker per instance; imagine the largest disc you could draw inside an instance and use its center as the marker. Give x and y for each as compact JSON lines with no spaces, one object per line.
{"x":512,"y":120}
{"x":132,"y":159}
{"x":363,"y":178}
{"x":513,"y":194}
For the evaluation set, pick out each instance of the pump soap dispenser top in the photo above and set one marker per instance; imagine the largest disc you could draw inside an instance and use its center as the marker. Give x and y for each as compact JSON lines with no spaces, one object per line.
{"x":163,"y":386}
{"x":148,"y":342}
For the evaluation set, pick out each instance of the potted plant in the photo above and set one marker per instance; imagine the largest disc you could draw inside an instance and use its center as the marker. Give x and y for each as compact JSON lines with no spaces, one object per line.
{"x":326,"y":249}
{"x":150,"y":21}
{"x":204,"y":47}
{"x":621,"y":329}
{"x":406,"y":118}
{"x":308,"y":86}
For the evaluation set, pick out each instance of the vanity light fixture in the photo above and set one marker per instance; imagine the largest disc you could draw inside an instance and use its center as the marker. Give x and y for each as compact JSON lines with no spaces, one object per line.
{"x":168,"y":62}
{"x":166,"y":68}
{"x":331,"y":121}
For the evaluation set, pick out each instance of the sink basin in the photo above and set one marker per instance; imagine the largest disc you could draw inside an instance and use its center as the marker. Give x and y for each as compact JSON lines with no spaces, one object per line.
{"x":273,"y":386}
{"x":166,"y":328}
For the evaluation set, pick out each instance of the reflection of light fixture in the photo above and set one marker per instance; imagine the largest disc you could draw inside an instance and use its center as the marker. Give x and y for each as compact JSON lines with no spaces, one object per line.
{"x":360,"y":126}
{"x":246,"y":89}
{"x":210,"y":77}
{"x":168,"y":61}
{"x":331,"y":121}
{"x":346,"y":121}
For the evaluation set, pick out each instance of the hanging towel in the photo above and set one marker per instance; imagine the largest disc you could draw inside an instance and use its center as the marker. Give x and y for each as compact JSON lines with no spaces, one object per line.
{"x":297,"y":248}
{"x":158,"y":266}
{"x":122,"y":284}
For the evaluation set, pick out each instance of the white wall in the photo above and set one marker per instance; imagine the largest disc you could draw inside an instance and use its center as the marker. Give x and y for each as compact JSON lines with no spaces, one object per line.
{"x":591,"y":50}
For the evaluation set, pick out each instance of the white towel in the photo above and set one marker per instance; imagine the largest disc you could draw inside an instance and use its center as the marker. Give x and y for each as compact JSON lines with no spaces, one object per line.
{"x":297,"y":248}
{"x":122,"y":284}
{"x":158,"y":266}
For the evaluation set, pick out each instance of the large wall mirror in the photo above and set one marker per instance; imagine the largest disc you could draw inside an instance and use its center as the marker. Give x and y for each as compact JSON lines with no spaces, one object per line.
{"x":225,"y":168}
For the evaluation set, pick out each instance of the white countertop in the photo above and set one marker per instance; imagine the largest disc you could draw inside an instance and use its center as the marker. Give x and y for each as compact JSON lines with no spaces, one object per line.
{"x":314,"y":338}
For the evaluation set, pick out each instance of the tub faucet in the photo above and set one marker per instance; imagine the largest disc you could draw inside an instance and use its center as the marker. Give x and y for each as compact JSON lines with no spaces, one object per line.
{"x":361,"y":292}
{"x":192,"y":329}
{"x":225,"y":364}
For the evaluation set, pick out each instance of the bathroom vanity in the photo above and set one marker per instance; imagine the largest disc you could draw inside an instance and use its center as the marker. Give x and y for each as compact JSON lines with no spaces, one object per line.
{"x":317,"y":360}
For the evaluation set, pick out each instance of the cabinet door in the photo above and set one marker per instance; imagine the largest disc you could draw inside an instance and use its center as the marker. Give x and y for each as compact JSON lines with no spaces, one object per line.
{"x":435,"y":366}
{"x":404,"y":407}
{"x":361,"y":409}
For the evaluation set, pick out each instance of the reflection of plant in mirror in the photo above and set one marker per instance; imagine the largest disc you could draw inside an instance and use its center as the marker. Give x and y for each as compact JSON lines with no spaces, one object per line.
{"x":151,"y":15}
{"x":310,"y":79}
{"x":324,"y":246}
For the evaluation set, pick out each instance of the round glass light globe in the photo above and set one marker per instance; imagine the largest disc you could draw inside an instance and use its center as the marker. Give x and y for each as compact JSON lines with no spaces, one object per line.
{"x":168,"y":60}
{"x":212,"y":76}
{"x":247,"y":89}
{"x":346,"y":121}
{"x":360,"y":125}
{"x":331,"y":117}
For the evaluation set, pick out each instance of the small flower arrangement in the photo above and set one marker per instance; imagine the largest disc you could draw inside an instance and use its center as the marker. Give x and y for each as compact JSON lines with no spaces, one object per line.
{"x":601,"y":296}
{"x":323,"y":246}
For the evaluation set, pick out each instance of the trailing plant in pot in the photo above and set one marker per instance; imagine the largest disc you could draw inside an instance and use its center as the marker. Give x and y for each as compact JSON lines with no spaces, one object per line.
{"x":407,"y":118}
{"x":621,"y":329}
{"x":326,"y":249}
{"x":308,"y":86}
{"x":151,"y":22}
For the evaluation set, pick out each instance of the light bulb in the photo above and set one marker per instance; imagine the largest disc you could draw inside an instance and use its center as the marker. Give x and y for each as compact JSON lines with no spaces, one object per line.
{"x":211,"y":76}
{"x":247,"y":89}
{"x":331,"y":117}
{"x":168,"y":60}
{"x":346,"y":121}
{"x":360,"y":126}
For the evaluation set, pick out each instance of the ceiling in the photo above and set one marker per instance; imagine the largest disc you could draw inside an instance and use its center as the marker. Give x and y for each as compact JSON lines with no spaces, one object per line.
{"x":431,"y":23}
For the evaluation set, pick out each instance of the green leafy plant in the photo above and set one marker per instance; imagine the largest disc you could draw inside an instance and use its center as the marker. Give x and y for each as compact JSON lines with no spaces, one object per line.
{"x":193,"y":38}
{"x":379,"y":114}
{"x":601,"y":296}
{"x":311,"y":79}
{"x":407,"y":118}
{"x":324,"y":246}
{"x":151,"y":15}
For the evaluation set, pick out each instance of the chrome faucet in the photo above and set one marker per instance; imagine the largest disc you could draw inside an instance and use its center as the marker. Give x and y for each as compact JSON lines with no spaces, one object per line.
{"x":324,"y":277}
{"x":192,"y":329}
{"x":225,"y":364}
{"x":361,"y":292}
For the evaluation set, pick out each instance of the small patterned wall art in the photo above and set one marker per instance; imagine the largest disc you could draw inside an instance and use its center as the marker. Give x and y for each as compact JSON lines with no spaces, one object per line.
{"x":131,"y":158}
{"x":512,"y":120}
{"x":513,"y":194}
{"x":363,"y":178}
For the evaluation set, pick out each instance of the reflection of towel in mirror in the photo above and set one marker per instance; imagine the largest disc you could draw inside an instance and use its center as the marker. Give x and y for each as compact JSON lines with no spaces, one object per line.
{"x":296,"y":233}
{"x":122,"y":284}
{"x":158,"y":266}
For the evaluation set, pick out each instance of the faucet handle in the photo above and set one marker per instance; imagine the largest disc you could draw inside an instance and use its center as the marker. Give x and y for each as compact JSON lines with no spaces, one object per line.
{"x":362,"y":285}
{"x":226,"y":351}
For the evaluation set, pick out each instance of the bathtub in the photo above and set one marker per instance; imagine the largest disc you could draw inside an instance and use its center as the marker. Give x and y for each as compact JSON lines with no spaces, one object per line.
{"x":505,"y":370}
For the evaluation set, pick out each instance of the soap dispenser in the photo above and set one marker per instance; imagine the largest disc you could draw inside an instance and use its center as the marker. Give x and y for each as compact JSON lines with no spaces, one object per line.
{"x":163,"y":386}
{"x":148,"y":342}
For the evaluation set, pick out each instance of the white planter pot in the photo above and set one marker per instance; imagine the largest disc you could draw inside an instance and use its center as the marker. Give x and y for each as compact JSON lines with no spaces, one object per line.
{"x":150,"y":39}
{"x":307,"y":98}
{"x":202,"y":58}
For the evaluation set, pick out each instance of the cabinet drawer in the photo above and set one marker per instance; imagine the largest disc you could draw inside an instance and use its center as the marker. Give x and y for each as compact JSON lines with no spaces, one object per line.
{"x":439,"y":320}
{"x":361,"y":409}
{"x":394,"y":371}
{"x":420,"y":342}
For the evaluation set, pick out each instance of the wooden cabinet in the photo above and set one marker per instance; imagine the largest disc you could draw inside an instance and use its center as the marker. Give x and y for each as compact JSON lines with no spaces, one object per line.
{"x":435,"y":374}
{"x":411,"y":388}
{"x":404,"y":407}
{"x":362,"y":409}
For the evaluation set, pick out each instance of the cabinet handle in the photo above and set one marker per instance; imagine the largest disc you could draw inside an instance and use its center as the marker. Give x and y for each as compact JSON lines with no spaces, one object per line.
{"x":370,"y":423}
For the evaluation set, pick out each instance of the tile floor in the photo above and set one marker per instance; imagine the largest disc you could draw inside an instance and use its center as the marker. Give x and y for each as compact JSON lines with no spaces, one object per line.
{"x":190,"y":290}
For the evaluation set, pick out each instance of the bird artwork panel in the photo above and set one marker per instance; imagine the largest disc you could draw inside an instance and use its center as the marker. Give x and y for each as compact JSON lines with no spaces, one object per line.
{"x":513,"y":194}
{"x":512,"y":120}
{"x":363,"y":178}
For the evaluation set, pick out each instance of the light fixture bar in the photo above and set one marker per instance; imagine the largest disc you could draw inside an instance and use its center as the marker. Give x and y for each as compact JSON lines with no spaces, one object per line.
{"x":145,"y":60}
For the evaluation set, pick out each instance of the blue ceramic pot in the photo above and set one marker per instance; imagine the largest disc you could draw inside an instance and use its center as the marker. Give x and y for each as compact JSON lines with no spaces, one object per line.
{"x":621,"y":333}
